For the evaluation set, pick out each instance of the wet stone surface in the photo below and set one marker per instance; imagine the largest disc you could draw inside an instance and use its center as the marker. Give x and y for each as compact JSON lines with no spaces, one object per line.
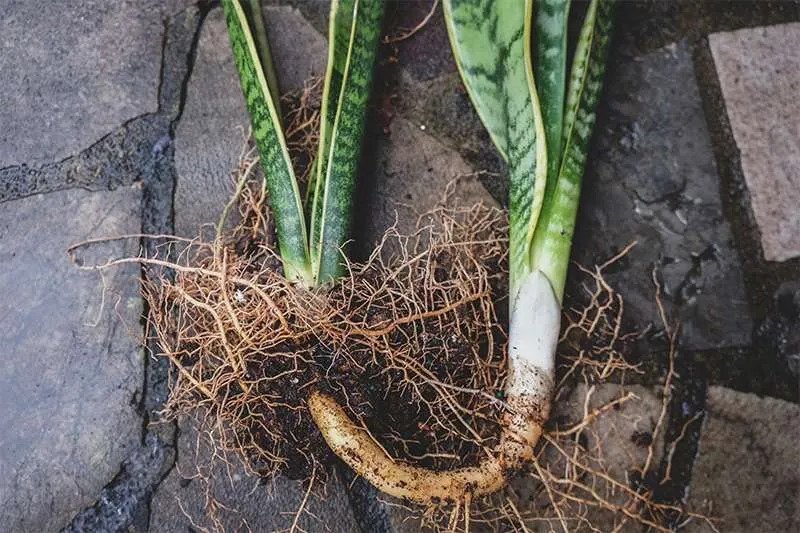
{"x":652,"y":179}
{"x":760,"y":83}
{"x":72,"y":362}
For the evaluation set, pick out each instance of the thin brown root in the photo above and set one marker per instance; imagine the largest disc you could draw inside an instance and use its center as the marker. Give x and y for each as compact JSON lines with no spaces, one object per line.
{"x":405,"y":34}
{"x":411,"y":344}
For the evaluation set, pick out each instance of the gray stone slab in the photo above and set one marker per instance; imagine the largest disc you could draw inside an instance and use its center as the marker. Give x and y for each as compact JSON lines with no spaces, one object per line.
{"x":198,"y":489}
{"x":72,"y":365}
{"x":747,"y":473}
{"x":617,"y":440}
{"x":613,"y":437}
{"x":615,"y":430}
{"x":759,"y":74}
{"x":74,"y":72}
{"x":214,"y":124}
{"x":414,"y":173}
{"x":651,"y":178}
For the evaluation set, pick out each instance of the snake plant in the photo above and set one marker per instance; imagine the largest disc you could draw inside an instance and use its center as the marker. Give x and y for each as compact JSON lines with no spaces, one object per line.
{"x":310,"y":255}
{"x":512,"y":57}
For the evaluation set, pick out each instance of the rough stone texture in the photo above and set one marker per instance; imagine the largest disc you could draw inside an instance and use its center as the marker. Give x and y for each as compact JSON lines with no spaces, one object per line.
{"x":97,"y":68}
{"x":427,"y":54}
{"x":617,"y":429}
{"x":617,"y":438}
{"x":72,"y":366}
{"x":443,"y":106}
{"x":214,"y":123}
{"x":413,"y":173}
{"x":651,"y":178}
{"x":760,"y":80}
{"x":251,"y":504}
{"x":748,"y":471}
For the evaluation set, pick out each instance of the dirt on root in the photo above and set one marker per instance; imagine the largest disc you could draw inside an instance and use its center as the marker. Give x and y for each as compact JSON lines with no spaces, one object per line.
{"x":409,"y":341}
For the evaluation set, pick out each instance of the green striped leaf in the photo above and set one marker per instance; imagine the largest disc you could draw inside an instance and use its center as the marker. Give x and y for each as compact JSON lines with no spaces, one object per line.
{"x":491,"y":43}
{"x":550,"y":68}
{"x":284,"y":193}
{"x":553,"y":238}
{"x":340,"y":28}
{"x":258,"y":28}
{"x":354,"y":34}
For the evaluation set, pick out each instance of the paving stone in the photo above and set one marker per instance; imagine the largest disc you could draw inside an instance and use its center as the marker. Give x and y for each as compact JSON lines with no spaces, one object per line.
{"x":183,"y":500}
{"x":651,"y":178}
{"x":412,"y":173}
{"x":618,"y":429}
{"x":97,"y":68}
{"x":622,"y":430}
{"x":760,"y":80}
{"x":426,"y":54}
{"x":72,"y":365}
{"x":747,"y":472}
{"x":618,"y":439}
{"x":214,"y":123}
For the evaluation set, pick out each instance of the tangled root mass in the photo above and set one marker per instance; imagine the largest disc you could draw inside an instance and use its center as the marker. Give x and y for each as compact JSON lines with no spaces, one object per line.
{"x":411,"y":342}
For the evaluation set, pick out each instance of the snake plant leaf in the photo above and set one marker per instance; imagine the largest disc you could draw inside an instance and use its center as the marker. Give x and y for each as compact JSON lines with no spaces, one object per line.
{"x":339,"y":31}
{"x":550,"y":68}
{"x":491,"y":44}
{"x":255,"y":17}
{"x":282,"y":184}
{"x":354,"y":36}
{"x":554,"y":236}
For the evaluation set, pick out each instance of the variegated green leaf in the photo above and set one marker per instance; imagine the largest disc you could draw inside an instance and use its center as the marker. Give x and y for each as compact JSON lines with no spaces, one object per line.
{"x":255,"y":17}
{"x":549,"y":69}
{"x":340,"y":28}
{"x":553,"y":238}
{"x":354,"y":35}
{"x":284,"y":194}
{"x":491,"y":43}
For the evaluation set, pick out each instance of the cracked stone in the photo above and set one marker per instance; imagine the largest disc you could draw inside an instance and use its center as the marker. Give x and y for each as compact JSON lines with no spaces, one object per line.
{"x":132,"y":152}
{"x":651,"y":178}
{"x":760,"y":80}
{"x":97,"y":69}
{"x":214,"y":123}
{"x":197,"y":488}
{"x":73,"y":366}
{"x":747,"y":474}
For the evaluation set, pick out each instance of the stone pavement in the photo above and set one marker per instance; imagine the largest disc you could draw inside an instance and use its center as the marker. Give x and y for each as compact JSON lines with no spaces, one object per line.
{"x":127,"y":118}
